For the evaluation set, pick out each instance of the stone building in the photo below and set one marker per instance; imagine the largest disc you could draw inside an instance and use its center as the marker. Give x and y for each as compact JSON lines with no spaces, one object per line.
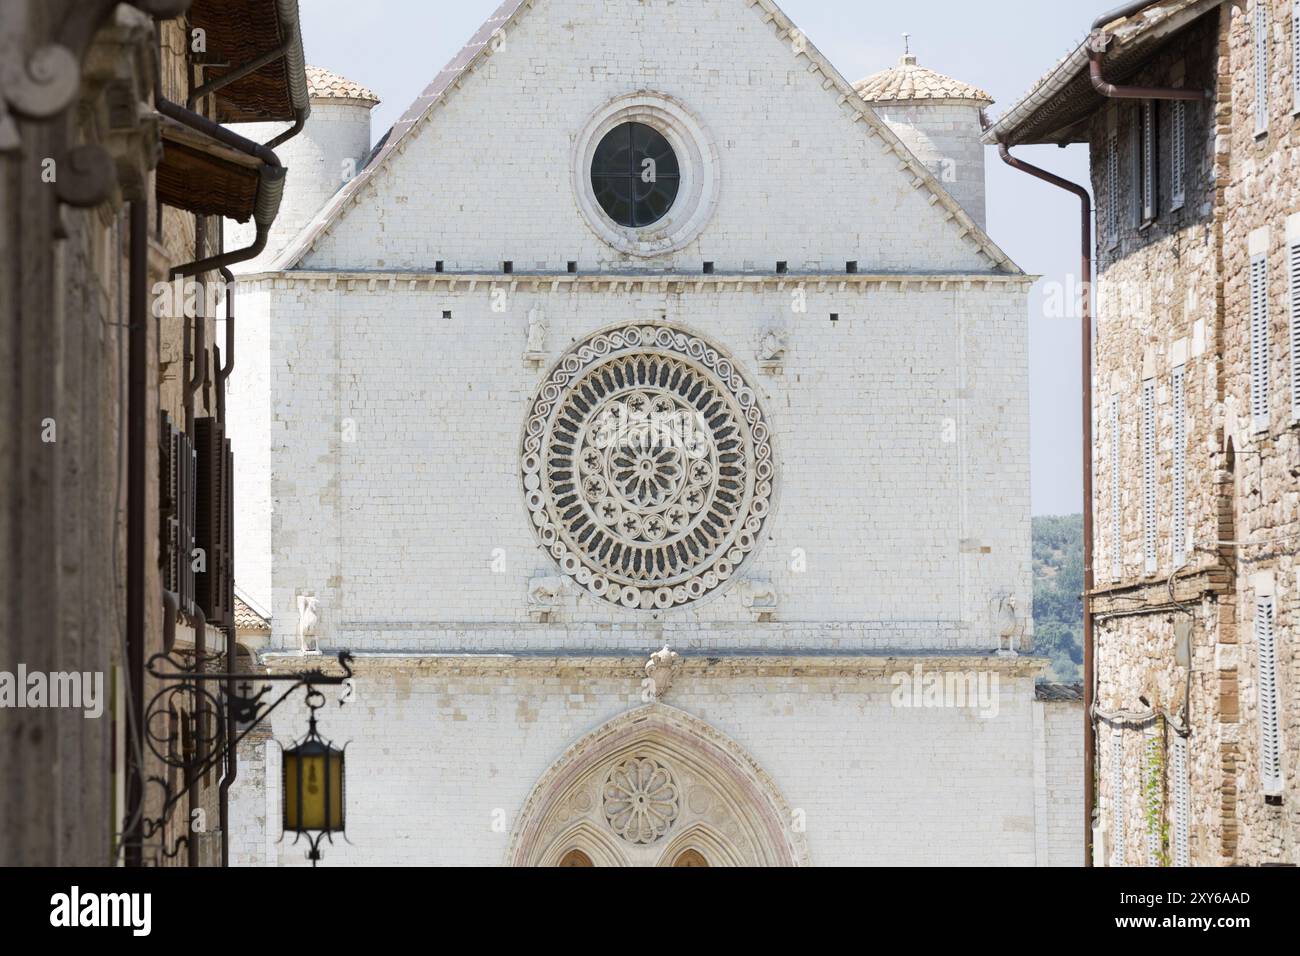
{"x":115,"y":480}
{"x":1194,"y":409}
{"x":651,"y":423}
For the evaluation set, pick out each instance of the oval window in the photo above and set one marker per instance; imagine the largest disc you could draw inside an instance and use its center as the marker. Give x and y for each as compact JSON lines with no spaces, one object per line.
{"x":635,"y":175}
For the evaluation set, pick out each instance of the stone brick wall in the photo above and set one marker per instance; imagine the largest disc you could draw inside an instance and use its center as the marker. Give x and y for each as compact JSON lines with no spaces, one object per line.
{"x":1172,"y":293}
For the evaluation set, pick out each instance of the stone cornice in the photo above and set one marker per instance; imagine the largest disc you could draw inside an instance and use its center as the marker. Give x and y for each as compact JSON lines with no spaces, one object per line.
{"x":632,"y":666}
{"x":663,"y":283}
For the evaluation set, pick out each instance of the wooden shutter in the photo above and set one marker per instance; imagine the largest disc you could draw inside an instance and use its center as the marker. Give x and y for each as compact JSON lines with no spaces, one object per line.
{"x":1261,"y":66}
{"x":1179,"y":398}
{"x":1116,"y":517}
{"x":1295,"y":54}
{"x":1270,"y":752}
{"x":1117,"y":795}
{"x":1293,"y":268}
{"x":1182,"y":803}
{"x":213,"y":522}
{"x":1150,"y":176}
{"x":1149,"y":516}
{"x":1259,"y":358}
{"x":1178,"y":154}
{"x":176,"y":502}
{"x":1112,"y":189}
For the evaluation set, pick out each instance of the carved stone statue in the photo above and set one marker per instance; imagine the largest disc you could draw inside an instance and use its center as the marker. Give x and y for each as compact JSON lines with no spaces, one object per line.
{"x":660,"y":670}
{"x":535,"y":349}
{"x":760,"y":597}
{"x":1007,"y":624}
{"x":547,"y":594}
{"x":308,"y":618}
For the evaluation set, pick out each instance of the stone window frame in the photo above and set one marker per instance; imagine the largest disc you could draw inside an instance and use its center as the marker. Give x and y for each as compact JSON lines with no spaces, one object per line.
{"x":698,"y":159}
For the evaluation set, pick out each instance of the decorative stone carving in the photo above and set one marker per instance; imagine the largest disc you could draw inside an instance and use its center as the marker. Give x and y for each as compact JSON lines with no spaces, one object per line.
{"x":535,"y":349}
{"x":641,"y":800}
{"x":308,"y":619}
{"x":660,"y":671}
{"x":546,"y":594}
{"x":1008,"y":628}
{"x":760,"y":598}
{"x":771,"y":351}
{"x":647,"y":467}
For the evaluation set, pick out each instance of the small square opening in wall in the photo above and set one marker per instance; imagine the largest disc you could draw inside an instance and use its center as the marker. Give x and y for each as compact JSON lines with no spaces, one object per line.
{"x":835,"y":317}
{"x":573,"y":267}
{"x":708,"y":268}
{"x":507,"y":267}
{"x":851,"y":267}
{"x":446,"y":313}
{"x":782,"y":268}
{"x":438,"y":266}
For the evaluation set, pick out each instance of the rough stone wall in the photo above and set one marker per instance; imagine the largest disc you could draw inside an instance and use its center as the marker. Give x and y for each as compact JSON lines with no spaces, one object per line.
{"x":1176,"y":292}
{"x":1263,"y":210}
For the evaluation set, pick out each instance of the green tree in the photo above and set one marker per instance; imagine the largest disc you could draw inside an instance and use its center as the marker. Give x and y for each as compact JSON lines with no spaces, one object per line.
{"x":1058,"y":590}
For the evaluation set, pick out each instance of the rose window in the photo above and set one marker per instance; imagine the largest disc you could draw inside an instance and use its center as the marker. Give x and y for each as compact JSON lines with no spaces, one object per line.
{"x":647,"y":467}
{"x":641,"y":800}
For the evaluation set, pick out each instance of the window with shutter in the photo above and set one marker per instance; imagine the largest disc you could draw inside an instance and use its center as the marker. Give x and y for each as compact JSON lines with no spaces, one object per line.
{"x":1261,"y":66}
{"x":1116,"y":518}
{"x":1293,"y":267}
{"x":1178,"y":154}
{"x":1112,"y":189}
{"x":1179,"y":399}
{"x":1295,"y":55}
{"x":1259,"y":359}
{"x":1182,"y":803}
{"x":1149,"y":166}
{"x":1117,"y":795}
{"x":1149,"y":474}
{"x":1270,"y":751}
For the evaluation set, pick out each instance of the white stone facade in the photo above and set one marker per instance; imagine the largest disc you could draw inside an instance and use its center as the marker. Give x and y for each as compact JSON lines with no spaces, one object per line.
{"x":388,"y":365}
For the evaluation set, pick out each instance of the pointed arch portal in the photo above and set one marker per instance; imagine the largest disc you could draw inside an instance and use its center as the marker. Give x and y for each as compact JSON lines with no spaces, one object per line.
{"x":656,"y":787}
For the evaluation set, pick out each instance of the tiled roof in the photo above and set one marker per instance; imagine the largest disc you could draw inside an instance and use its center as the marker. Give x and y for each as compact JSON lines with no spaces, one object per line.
{"x":324,"y":85}
{"x":1058,"y":693}
{"x":907,"y":81}
{"x":246,"y":619}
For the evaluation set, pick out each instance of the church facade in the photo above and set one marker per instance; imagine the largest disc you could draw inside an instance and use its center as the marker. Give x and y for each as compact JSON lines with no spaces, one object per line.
{"x":648,"y":414}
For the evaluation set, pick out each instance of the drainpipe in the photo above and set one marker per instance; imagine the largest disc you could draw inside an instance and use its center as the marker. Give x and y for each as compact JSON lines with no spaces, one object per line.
{"x":1096,"y":54}
{"x":232,"y":758}
{"x":137,"y":468}
{"x":1085,"y":272}
{"x":224,"y":370}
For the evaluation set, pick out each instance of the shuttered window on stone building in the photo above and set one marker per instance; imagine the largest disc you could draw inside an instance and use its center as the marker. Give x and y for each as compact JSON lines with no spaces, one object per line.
{"x":1149,"y":536}
{"x":1149,"y":179}
{"x":1293,"y":268}
{"x":1270,"y":730}
{"x":1153,"y":794}
{"x":1117,"y":795}
{"x":1178,"y":155}
{"x":1261,"y":66}
{"x":1116,"y":518}
{"x":1179,"y":400}
{"x":1259,"y":359}
{"x":1112,"y":190}
{"x":1295,"y":54}
{"x":1181,"y":803}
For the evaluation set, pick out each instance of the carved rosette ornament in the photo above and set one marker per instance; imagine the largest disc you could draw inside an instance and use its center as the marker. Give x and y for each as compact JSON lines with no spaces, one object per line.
{"x":641,"y":800}
{"x":647,"y":467}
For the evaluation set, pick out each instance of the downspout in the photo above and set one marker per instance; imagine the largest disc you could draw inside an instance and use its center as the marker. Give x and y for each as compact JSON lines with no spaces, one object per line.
{"x":1085,"y":272}
{"x":1097,"y":53}
{"x":231,"y":729}
{"x":137,"y":468}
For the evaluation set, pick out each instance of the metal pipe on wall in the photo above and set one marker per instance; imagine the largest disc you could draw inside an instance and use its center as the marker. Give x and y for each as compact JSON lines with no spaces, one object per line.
{"x":1085,"y":273}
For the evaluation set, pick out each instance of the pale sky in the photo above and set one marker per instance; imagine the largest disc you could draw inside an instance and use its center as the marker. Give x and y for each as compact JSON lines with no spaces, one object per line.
{"x":396,"y":46}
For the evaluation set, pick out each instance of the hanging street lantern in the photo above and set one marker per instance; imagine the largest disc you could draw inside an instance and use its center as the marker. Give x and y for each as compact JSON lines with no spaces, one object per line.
{"x":312,"y":782}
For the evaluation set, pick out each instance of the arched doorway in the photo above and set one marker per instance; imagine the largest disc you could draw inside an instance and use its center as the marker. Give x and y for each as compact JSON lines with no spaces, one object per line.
{"x":656,"y":787}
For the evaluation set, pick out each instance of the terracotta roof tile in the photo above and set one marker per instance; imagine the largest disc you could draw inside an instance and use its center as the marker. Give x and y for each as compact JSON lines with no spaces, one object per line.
{"x":324,"y":85}
{"x":907,"y":81}
{"x":246,"y":619}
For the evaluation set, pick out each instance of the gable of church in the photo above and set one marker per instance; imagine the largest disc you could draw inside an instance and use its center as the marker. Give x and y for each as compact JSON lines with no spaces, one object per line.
{"x":776,"y":157}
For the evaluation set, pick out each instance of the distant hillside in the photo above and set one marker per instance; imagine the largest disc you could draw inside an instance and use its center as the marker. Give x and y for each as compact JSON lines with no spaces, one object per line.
{"x":1058,"y":584}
